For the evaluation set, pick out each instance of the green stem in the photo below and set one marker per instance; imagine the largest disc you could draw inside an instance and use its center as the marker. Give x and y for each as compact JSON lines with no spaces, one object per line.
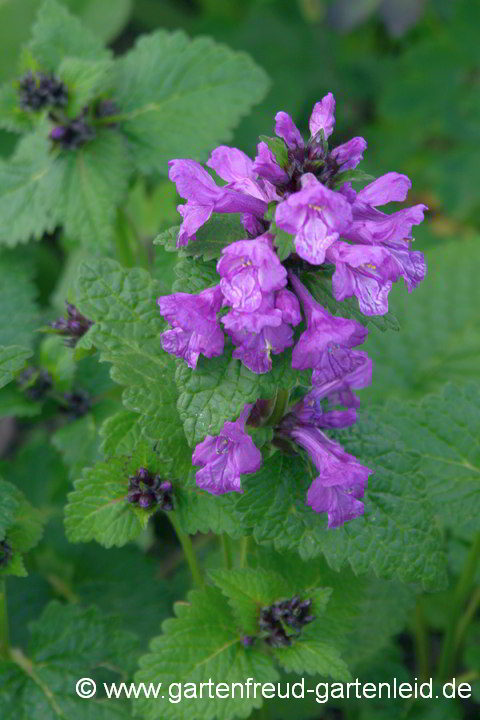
{"x":244,"y":543}
{"x":4,"y":641}
{"x":281,"y":402}
{"x":123,"y":246}
{"x":186,"y":543}
{"x":226,"y":550}
{"x":467,"y":618}
{"x":421,"y":641}
{"x":461,"y":593}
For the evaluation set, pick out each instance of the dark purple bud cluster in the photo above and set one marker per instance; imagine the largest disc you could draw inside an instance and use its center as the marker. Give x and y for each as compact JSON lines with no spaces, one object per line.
{"x":72,"y":134}
{"x":147,"y":490}
{"x":284,"y":620}
{"x":77,"y":404}
{"x":35,"y":383}
{"x":40,"y":90}
{"x":6,"y":553}
{"x":73,"y":327}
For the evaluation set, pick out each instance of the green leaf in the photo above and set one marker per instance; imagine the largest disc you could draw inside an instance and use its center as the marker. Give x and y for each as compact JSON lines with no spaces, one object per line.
{"x":199,"y":511}
{"x":30,"y":190}
{"x":85,"y":80}
{"x":278,"y":148}
{"x":218,"y":389}
{"x":98,"y":508}
{"x":320,"y":285}
{"x":440,"y":338}
{"x":202,"y":642}
{"x":9,"y":504}
{"x":21,"y":525}
{"x":94,"y":182}
{"x":219,"y":232}
{"x":127,"y":328}
{"x":194,"y":274}
{"x":397,"y":507}
{"x":41,"y":188}
{"x":67,"y":642}
{"x":351,"y":176}
{"x":309,"y":655}
{"x":12,"y":359}
{"x":283,"y":242}
{"x":57,"y":34}
{"x":19,"y":316}
{"x":12,"y":116}
{"x":119,"y":433}
{"x":180,"y":98}
{"x":168,"y":238}
{"x":356,"y":604}
{"x":445,"y":431}
{"x":248,"y":590}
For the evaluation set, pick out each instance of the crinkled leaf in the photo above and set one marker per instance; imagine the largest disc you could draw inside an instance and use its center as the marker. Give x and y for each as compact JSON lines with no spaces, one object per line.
{"x":120,"y":433}
{"x":12,"y":359}
{"x":12,"y":116}
{"x":397,"y":536}
{"x":181,"y":97}
{"x":194,"y":275}
{"x":98,"y":508}
{"x":19,"y":316}
{"x":127,"y":328}
{"x":283,"y":242}
{"x":9,"y":504}
{"x":445,"y":431}
{"x":85,"y":79}
{"x":57,"y":34}
{"x":202,"y":642}
{"x":249,"y":590}
{"x":67,"y":642}
{"x":41,"y":188}
{"x":218,"y":389}
{"x":440,"y":338}
{"x":21,"y":527}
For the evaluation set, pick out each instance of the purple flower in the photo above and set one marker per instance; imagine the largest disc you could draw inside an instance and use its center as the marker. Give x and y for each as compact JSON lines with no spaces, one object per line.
{"x":341,"y":481}
{"x":375,"y":227}
{"x":348,"y":155}
{"x":255,"y":349}
{"x":265,"y":315}
{"x":340,"y":369}
{"x":364,"y":271}
{"x":388,"y":188}
{"x":195,"y":328}
{"x":226,"y":457}
{"x":237,"y":169}
{"x":316,"y":216}
{"x":286,"y":129}
{"x":322,"y":330}
{"x":249,"y":269}
{"x":287,"y":302}
{"x":205,"y":197}
{"x":266,"y":165}
{"x":311,"y":411}
{"x":323,"y":116}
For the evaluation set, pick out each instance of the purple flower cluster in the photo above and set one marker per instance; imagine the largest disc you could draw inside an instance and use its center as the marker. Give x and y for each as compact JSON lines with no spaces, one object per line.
{"x":302,"y":188}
